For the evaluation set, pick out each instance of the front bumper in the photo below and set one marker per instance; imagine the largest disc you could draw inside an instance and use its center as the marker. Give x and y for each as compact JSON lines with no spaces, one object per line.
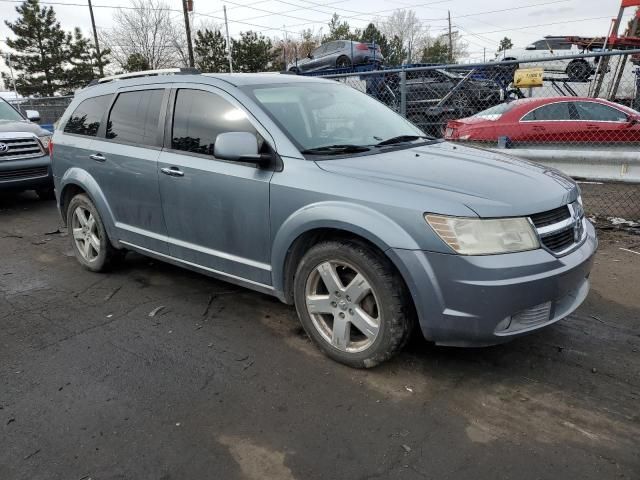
{"x":486,"y":300}
{"x":26,"y":174}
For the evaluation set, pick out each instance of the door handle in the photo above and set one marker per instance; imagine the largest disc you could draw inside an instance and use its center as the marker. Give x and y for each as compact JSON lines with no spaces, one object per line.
{"x":98,"y":157}
{"x":172,"y":171}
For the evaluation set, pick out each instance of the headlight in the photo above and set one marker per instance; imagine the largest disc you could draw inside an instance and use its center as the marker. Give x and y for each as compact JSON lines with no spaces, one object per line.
{"x":474,"y":236}
{"x":45,"y":139}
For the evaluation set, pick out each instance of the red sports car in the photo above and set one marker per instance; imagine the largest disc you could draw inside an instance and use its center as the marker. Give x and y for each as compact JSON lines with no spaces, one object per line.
{"x":559,"y":120}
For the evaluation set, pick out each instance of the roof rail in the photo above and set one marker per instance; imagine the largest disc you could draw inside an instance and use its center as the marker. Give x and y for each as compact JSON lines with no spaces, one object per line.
{"x":146,"y":73}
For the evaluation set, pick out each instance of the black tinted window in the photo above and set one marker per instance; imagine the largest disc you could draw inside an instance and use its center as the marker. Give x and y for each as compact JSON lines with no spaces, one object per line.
{"x":199,"y":117}
{"x":85,"y":119}
{"x":134,"y":117}
{"x":553,"y":111}
{"x":598,"y":112}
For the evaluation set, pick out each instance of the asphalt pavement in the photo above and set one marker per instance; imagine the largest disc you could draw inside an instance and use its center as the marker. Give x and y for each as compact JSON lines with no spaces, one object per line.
{"x":154,"y":372}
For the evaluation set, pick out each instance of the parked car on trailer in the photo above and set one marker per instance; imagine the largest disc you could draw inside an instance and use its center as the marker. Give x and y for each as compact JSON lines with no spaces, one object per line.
{"x":24,"y":152}
{"x":338,"y":54}
{"x":547,"y":50}
{"x":555,"y":119}
{"x":316,"y":193}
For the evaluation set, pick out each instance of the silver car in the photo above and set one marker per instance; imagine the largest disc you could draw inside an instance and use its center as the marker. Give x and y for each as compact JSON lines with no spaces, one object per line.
{"x":311,"y":191}
{"x":338,"y":54}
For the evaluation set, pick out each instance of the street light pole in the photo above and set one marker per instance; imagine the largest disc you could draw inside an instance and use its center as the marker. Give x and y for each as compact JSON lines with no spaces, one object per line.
{"x":188,"y":31}
{"x":95,"y":40}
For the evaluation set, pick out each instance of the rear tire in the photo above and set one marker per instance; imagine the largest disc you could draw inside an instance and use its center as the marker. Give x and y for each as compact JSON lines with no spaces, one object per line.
{"x":343,"y":62}
{"x":578,"y":71}
{"x":352,"y":303}
{"x":89,"y":239}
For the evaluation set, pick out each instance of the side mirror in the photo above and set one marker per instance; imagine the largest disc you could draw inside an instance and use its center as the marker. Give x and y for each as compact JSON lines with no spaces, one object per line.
{"x":530,"y":47}
{"x":33,"y":115}
{"x":239,"y":147}
{"x":632,"y":120}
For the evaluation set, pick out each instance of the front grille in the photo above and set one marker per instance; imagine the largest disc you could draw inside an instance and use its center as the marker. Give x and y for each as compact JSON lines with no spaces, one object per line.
{"x":557,"y":242}
{"x":561,"y":228}
{"x":20,"y":148}
{"x":550,"y":217}
{"x":24,"y":173}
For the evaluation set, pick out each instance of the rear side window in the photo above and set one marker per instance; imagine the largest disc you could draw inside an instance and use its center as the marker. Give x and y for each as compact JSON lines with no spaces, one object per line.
{"x":199,"y":117}
{"x":596,"y":112}
{"x":553,"y":111}
{"x":85,"y":119}
{"x":135,"y":116}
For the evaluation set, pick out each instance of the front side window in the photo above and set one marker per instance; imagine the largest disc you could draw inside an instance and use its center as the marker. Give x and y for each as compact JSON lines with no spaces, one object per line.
{"x":199,"y":117}
{"x":7,"y":112}
{"x":134,"y":117}
{"x":86,"y":118}
{"x":553,"y":111}
{"x":596,"y":112}
{"x":315,"y":115}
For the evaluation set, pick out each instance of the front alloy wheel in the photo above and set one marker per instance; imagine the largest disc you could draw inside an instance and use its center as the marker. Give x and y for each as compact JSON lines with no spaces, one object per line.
{"x":352,"y":302}
{"x":343,"y":306}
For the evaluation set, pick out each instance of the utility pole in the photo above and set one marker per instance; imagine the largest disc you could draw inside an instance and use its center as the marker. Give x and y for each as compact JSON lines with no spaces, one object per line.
{"x":226,"y":26}
{"x":95,"y":41}
{"x":450,"y":38}
{"x":188,"y":30}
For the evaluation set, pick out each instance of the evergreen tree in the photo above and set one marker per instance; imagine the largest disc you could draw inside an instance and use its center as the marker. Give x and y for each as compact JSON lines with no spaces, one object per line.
{"x":396,"y":52}
{"x":210,"y":49}
{"x":136,"y":62}
{"x":505,"y":44}
{"x":437,"y":52}
{"x":43,"y":49}
{"x":82,"y":58}
{"x":339,"y":30}
{"x":253,"y":53}
{"x":371,"y":34}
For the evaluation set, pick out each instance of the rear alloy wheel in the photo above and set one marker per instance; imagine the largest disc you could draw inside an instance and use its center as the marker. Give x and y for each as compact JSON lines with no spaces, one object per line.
{"x":88,"y":235}
{"x":343,"y":62}
{"x":578,"y":71}
{"x":352,"y":303}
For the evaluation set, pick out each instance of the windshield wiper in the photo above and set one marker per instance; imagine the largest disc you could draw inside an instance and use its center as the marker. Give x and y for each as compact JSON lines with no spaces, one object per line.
{"x":402,"y":139}
{"x":336,"y":149}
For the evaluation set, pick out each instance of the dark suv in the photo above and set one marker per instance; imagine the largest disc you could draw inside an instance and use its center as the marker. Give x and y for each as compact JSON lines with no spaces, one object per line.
{"x":24,"y":152}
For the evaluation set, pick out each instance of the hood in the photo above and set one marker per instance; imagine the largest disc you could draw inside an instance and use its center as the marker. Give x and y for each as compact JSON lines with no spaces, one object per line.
{"x":490,"y":184}
{"x":23,"y":126}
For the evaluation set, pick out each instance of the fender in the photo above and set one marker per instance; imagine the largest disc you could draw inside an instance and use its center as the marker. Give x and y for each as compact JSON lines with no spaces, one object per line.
{"x":357,"y":219}
{"x":81,"y":178}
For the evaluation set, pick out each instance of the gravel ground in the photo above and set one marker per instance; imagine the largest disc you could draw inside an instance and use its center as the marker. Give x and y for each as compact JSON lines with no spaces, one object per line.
{"x":97,"y":381}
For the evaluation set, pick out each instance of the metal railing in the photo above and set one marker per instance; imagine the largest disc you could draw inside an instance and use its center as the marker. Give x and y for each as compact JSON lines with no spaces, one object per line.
{"x":580,"y":119}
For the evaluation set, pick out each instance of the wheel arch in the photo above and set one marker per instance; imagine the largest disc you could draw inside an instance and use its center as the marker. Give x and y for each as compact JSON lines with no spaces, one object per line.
{"x":76,"y":181}
{"x":331,"y":221}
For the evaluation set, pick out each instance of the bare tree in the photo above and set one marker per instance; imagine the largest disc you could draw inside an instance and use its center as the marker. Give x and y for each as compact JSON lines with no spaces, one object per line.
{"x":405,"y":25}
{"x":148,"y":31}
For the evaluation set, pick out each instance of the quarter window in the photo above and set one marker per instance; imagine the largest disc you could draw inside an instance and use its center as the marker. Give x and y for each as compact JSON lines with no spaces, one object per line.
{"x":199,"y":117}
{"x":135,"y":116}
{"x":86,"y":118}
{"x":596,"y":112}
{"x":553,"y":111}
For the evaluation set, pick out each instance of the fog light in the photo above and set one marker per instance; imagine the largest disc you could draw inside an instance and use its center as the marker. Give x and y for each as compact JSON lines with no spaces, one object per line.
{"x":503,"y":325}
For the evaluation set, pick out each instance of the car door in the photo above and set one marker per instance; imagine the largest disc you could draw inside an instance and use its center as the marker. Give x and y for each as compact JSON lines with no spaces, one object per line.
{"x":125,"y":155}
{"x":554,"y":122}
{"x":603,"y":123}
{"x":316,"y":60}
{"x":216,"y":211}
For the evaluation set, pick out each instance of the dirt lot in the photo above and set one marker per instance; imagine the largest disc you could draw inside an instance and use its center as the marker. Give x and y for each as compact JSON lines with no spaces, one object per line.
{"x":222,"y":384}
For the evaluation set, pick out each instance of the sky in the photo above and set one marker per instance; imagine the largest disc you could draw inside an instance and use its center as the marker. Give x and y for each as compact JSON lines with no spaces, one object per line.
{"x":481,"y":23}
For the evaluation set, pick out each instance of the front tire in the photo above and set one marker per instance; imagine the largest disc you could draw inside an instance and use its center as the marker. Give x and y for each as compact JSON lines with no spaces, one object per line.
{"x":89,"y":239}
{"x":352,"y":303}
{"x":343,"y":62}
{"x":578,"y":71}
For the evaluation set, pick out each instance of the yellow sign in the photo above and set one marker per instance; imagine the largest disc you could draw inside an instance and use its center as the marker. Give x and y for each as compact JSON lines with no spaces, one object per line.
{"x":528,"y":77}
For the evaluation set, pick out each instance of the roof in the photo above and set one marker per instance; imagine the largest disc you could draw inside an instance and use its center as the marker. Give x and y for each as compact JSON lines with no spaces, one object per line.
{"x":239,"y":79}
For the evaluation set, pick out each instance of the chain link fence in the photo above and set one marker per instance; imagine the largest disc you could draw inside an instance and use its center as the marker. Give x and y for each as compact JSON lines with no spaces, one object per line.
{"x":50,"y":109}
{"x":577,"y":113}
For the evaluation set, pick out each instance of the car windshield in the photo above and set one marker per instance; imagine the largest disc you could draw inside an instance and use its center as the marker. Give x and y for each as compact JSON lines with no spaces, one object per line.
{"x":495,"y":112}
{"x":317,"y":115}
{"x":7,"y":112}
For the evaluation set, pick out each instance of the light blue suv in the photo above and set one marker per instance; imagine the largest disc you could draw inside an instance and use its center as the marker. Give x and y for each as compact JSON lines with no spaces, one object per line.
{"x":313,"y":192}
